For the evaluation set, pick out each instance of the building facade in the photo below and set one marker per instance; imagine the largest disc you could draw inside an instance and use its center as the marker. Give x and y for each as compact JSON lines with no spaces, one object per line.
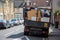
{"x":11,"y":9}
{"x":18,"y":9}
{"x":8,"y":10}
{"x":1,"y":10}
{"x":18,"y":14}
{"x":56,"y":5}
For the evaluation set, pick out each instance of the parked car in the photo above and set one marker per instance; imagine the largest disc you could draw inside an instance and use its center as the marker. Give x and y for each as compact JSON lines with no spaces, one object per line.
{"x":15,"y":21}
{"x":10,"y":22}
{"x":4,"y":24}
{"x":21,"y":20}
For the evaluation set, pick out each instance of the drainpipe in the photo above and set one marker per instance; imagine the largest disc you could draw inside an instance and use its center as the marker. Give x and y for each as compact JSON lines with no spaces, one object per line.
{"x":3,"y":11}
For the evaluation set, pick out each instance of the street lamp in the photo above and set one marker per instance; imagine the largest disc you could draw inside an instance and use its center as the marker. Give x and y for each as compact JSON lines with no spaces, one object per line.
{"x":34,"y":3}
{"x":47,"y":1}
{"x":50,"y":3}
{"x":52,"y":15}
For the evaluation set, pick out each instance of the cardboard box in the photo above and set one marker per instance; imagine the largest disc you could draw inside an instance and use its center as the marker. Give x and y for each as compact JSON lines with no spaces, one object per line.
{"x":45,"y":19}
{"x":39,"y":16}
{"x":31,"y":13}
{"x":34,"y":15}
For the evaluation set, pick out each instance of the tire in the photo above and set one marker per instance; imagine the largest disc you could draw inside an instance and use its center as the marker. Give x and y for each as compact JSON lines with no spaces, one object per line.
{"x":45,"y":35}
{"x":45,"y":38}
{"x":6,"y":27}
{"x":26,"y":33}
{"x":56,"y":24}
{"x":12,"y":25}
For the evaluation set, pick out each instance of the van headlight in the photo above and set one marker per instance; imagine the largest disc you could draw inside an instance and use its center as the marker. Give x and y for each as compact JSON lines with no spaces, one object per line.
{"x":46,"y":25}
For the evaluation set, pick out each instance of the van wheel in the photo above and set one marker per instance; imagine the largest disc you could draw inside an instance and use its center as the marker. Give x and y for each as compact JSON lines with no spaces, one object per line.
{"x":26,"y":33}
{"x":45,"y":35}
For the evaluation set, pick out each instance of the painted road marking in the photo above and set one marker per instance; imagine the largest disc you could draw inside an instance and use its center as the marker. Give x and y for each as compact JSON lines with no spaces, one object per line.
{"x":50,"y":30}
{"x":21,"y":38}
{"x":17,"y":39}
{"x":43,"y":38}
{"x":27,"y":38}
{"x":12,"y":32}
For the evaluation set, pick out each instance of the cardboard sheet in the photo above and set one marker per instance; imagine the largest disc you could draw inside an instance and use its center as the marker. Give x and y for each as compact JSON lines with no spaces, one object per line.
{"x":34,"y":15}
{"x":45,"y":19}
{"x":33,"y":18}
{"x":31,"y":14}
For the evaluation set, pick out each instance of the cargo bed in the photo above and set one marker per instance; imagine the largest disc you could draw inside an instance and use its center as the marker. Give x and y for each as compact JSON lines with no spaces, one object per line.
{"x":35,"y":24}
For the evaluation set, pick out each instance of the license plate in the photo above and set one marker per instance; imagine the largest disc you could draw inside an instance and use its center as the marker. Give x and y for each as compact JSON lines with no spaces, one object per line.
{"x":35,"y":29}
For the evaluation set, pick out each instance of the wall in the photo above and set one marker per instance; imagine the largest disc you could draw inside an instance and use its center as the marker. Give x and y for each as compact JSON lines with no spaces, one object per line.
{"x":8,"y":10}
{"x":1,"y":10}
{"x":18,"y":12}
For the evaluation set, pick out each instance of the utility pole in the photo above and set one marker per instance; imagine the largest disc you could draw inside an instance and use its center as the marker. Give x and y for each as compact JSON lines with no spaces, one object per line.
{"x":52,"y":14}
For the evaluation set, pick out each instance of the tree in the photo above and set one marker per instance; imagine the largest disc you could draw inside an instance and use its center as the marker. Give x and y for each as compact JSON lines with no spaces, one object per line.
{"x":55,"y":14}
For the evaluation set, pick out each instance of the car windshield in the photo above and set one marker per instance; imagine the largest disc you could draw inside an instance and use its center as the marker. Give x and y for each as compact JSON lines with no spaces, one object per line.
{"x":2,"y":21}
{"x":13,"y":20}
{"x":21,"y":18}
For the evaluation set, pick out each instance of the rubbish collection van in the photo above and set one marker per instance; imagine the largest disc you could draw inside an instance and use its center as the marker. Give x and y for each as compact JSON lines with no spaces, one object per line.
{"x":37,"y":21}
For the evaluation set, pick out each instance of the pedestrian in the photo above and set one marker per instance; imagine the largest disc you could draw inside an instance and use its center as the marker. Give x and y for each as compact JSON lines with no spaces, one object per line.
{"x":59,"y":21}
{"x":56,"y":21}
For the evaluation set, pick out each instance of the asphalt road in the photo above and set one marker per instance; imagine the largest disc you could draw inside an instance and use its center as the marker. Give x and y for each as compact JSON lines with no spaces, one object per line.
{"x":16,"y":33}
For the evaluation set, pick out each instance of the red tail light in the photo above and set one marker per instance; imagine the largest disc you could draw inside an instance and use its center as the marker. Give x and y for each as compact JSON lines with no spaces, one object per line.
{"x":27,"y":30}
{"x":44,"y":32}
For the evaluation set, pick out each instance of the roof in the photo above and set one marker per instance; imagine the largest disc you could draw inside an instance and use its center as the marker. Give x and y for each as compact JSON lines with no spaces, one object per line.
{"x":18,"y":3}
{"x":41,"y":2}
{"x":2,"y":1}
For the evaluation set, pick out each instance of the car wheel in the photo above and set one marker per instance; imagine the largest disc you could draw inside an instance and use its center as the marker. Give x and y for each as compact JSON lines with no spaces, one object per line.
{"x":7,"y":26}
{"x":12,"y":25}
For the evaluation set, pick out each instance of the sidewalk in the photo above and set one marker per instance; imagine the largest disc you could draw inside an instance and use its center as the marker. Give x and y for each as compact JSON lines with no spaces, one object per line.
{"x":54,"y":31}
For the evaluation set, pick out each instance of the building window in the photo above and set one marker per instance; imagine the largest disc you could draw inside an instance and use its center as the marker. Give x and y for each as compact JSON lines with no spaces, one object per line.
{"x":58,"y":3}
{"x":1,"y":4}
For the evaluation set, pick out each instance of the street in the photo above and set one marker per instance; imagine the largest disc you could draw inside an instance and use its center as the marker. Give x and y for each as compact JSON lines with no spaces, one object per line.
{"x":40,"y":15}
{"x":16,"y":33}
